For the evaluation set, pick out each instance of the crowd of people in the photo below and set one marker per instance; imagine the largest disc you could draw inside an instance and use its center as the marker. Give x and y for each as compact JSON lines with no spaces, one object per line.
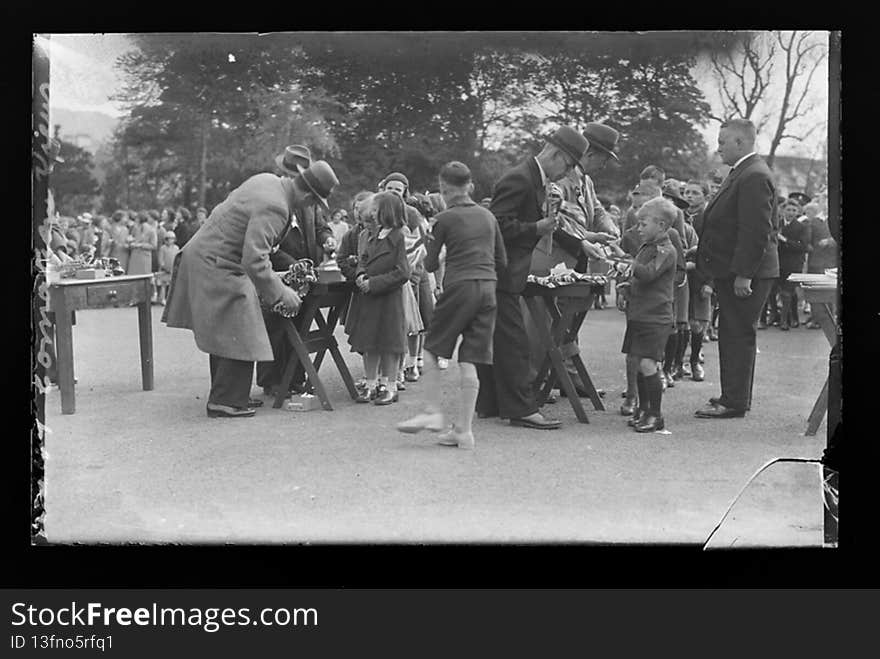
{"x":435,"y":268}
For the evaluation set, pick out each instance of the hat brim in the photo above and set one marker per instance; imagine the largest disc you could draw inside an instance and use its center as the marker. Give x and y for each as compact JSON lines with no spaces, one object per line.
{"x":603,"y":148}
{"x":279,"y":160}
{"x":678,"y":201}
{"x":567,"y":151}
{"x":315,"y":192}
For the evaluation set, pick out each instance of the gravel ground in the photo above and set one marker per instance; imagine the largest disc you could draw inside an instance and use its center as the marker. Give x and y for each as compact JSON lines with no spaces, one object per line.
{"x":136,"y":466}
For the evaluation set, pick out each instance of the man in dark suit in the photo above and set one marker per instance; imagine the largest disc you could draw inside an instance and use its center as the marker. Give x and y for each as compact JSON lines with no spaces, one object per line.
{"x":517,"y":204}
{"x":308,"y":237}
{"x":737,"y":256}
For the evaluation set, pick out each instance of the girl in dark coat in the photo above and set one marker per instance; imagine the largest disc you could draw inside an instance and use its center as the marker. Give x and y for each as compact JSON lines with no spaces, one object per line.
{"x":379,"y":331}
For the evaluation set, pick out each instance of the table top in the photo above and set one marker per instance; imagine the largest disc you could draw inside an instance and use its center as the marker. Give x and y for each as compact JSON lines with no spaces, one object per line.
{"x":72,"y":281}
{"x":808,"y":280}
{"x":576,"y":289}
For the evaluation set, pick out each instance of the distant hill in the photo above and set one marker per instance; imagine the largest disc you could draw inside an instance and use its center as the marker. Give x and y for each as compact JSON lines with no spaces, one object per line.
{"x":86,"y":129}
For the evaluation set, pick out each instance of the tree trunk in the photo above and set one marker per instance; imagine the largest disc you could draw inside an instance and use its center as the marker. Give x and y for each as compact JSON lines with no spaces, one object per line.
{"x":203,"y":162}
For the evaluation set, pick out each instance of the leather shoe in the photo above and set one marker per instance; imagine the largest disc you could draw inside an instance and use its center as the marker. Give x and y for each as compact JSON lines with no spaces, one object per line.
{"x":255,"y":402}
{"x":698,"y":373}
{"x":227,"y":411}
{"x":536,"y":421}
{"x":637,"y":418}
{"x":719,"y":411}
{"x":384,"y":396}
{"x":649,"y":423}
{"x":628,"y":408}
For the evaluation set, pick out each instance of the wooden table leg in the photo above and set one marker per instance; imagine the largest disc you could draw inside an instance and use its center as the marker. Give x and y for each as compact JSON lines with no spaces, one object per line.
{"x":307,"y":315}
{"x":818,"y":413}
{"x":824,"y":316}
{"x":303,"y":352}
{"x":328,"y":327}
{"x":542,"y":322}
{"x":145,"y":330}
{"x":64,"y":354}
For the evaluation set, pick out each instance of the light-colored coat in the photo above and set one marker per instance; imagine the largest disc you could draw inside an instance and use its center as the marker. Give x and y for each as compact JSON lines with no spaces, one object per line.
{"x":224,"y":271}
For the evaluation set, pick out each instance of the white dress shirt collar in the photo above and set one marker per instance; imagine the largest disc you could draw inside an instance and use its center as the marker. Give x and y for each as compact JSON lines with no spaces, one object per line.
{"x":737,"y":163}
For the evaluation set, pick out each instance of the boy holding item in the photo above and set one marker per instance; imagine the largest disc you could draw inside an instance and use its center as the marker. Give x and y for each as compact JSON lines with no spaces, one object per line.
{"x":466,"y":308}
{"x":649,"y":316}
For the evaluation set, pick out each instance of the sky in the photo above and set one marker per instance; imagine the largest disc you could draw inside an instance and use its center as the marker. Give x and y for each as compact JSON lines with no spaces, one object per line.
{"x":83,"y":77}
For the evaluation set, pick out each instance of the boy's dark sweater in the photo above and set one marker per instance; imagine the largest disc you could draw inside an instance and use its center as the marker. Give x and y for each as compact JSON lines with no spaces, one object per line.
{"x":474,"y":247}
{"x":652,"y":283}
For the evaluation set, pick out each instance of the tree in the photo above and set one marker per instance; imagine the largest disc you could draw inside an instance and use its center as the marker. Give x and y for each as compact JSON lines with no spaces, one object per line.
{"x":767,"y":78}
{"x":73,"y":185}
{"x":803,"y":55}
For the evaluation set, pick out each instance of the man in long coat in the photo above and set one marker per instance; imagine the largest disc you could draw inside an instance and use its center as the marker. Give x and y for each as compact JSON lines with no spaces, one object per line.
{"x":517,"y":204}
{"x":224,"y":275}
{"x":737,"y":258}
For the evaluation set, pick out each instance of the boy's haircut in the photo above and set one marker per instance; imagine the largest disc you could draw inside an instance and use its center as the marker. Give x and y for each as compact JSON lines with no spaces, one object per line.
{"x":390,"y":210}
{"x":703,"y":185}
{"x":661,"y":209}
{"x":653,"y":172}
{"x":456,"y":174}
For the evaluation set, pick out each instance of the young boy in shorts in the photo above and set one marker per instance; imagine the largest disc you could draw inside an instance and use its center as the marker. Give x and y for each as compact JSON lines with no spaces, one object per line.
{"x":649,"y":316}
{"x":466,"y":308}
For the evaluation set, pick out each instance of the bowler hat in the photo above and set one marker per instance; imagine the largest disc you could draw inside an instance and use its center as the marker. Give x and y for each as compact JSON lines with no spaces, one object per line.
{"x":320,"y":179}
{"x":294,"y":159}
{"x":671,"y":192}
{"x":800,"y":198}
{"x":571,"y":142}
{"x":602,"y":137}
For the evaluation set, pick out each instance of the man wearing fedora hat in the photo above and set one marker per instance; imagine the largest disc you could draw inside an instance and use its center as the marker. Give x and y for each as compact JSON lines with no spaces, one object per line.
{"x":517,"y":204}
{"x":309,"y":237}
{"x":225,"y":277}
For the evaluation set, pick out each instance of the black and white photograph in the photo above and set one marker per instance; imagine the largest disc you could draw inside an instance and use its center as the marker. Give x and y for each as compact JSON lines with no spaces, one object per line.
{"x":384,"y":288}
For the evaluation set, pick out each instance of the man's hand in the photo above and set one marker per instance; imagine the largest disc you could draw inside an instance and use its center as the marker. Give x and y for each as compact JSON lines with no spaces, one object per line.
{"x":363,"y":283}
{"x":601,"y":237}
{"x":546,"y":225}
{"x":742,"y":286}
{"x":290,"y":301}
{"x":782,"y":238}
{"x":592,"y":250}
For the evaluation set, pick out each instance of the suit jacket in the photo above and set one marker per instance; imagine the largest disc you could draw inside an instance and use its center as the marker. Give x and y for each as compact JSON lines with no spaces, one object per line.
{"x":793,"y":250}
{"x":517,"y":203}
{"x":739,"y":226}
{"x":302,"y":241}
{"x":224,"y":271}
{"x":578,"y":189}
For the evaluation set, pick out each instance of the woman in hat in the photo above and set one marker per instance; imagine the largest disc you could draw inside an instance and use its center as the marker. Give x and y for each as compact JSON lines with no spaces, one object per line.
{"x":144,"y":242}
{"x":167,"y":253}
{"x":224,"y":277}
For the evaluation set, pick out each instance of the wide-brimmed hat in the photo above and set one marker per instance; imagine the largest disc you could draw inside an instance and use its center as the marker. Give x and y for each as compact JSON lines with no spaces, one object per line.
{"x":571,"y":142}
{"x":320,"y":179}
{"x":671,"y":192}
{"x":800,"y":198}
{"x":602,"y":137}
{"x":295,"y":159}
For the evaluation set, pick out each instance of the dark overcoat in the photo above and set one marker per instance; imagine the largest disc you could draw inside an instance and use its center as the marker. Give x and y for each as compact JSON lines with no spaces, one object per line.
{"x":224,"y":270}
{"x":517,"y":204}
